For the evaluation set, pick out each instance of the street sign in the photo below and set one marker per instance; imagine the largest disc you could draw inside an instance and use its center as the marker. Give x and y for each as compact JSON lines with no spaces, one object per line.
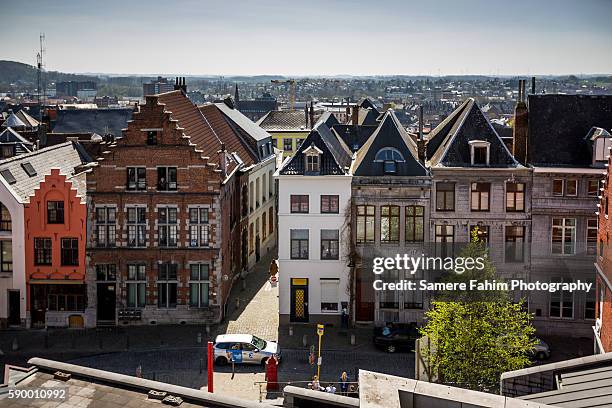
{"x":319,"y":361}
{"x":320,"y":329}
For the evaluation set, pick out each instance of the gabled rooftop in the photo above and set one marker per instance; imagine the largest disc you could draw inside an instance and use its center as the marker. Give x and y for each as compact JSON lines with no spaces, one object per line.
{"x":335,"y":156}
{"x":450,"y":143}
{"x":100,"y":121}
{"x":390,"y":142}
{"x":284,"y":121}
{"x":68,"y":157}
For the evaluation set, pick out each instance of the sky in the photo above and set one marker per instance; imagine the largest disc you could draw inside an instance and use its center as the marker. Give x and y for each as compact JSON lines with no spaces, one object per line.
{"x":312,"y":37}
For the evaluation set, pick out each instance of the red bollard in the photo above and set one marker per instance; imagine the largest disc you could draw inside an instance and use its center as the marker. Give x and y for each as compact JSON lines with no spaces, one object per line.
{"x":272,"y":374}
{"x":210,"y":366}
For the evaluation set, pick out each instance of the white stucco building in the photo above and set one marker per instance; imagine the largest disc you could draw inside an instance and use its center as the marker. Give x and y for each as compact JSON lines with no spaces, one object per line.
{"x":314,"y":191}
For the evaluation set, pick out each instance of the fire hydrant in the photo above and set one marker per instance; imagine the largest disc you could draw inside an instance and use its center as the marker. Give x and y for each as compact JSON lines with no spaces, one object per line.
{"x":272,"y":374}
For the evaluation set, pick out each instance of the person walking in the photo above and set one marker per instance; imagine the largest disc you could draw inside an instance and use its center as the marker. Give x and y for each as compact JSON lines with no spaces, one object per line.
{"x":344,"y":383}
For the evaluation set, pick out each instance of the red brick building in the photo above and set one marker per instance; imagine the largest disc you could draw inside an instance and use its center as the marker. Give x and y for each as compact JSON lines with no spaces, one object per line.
{"x":603,"y":312}
{"x":164,"y":217}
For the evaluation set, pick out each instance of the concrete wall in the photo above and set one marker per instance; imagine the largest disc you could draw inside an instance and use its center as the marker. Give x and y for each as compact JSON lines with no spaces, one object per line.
{"x":313,"y":268}
{"x":15,"y":280}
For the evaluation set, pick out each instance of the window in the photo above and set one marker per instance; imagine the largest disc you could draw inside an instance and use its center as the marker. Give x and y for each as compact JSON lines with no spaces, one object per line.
{"x":299,"y":204}
{"x":136,"y":286}
{"x":166,"y":178}
{"x":329,"y":295}
{"x":329,"y":204}
{"x":365,"y":223}
{"x":5,"y":218}
{"x":287,"y":144}
{"x":136,"y":178}
{"x":251,"y":238}
{"x":299,"y":244}
{"x":70,"y":252}
{"x":271,"y":220}
{"x":167,"y":226}
{"x":481,"y":232}
{"x":591,"y":240}
{"x":389,"y":157}
{"x":106,"y":272}
{"x":564,"y":236}
{"x":167,"y":285}
{"x":8,"y":151}
{"x":65,"y":299}
{"x":55,"y":212}
{"x":515,"y":244}
{"x":415,"y":223}
{"x":515,"y":197}
{"x":571,"y":187}
{"x":198,"y":285}
{"x":264,"y":226}
{"x":105,"y":226}
{"x":557,"y":187}
{"x":389,"y":223}
{"x":389,"y":299}
{"x":264,"y":188}
{"x":251,"y":196}
{"x":445,"y":237}
{"x":480,"y":196}
{"x":257,"y":193}
{"x":270,"y":184}
{"x":137,"y":225}
{"x":562,"y":302}
{"x":480,"y":155}
{"x":6,"y":256}
{"x":312,"y":163}
{"x":589,"y":303}
{"x":152,"y":137}
{"x":593,"y":188}
{"x":29,"y":169}
{"x":330,"y":240}
{"x":445,"y":196}
{"x":8,"y":176}
{"x":42,"y":251}
{"x":198,"y":227}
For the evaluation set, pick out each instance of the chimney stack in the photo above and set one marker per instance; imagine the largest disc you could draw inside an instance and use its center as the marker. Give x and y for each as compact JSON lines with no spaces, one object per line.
{"x":223,"y":160}
{"x":421,"y":151}
{"x":306,"y":115}
{"x":533,"y":85}
{"x":520,"y":128}
{"x":311,"y":115}
{"x":355,"y":115}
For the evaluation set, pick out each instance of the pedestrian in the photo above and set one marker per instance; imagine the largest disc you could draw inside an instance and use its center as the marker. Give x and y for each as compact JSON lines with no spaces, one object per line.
{"x":315,"y":384}
{"x":344,"y":383}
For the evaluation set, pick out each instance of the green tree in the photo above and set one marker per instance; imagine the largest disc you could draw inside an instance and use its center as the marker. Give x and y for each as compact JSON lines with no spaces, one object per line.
{"x":472,"y":344}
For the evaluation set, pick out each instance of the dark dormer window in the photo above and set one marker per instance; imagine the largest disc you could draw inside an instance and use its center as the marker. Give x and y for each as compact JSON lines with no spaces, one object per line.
{"x":152,"y":137}
{"x":389,"y":157}
{"x":479,"y":151}
{"x":312,"y":159}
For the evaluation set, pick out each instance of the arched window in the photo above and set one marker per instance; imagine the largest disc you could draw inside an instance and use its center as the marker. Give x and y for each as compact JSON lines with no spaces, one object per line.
{"x":5,"y":218}
{"x":389,"y":157}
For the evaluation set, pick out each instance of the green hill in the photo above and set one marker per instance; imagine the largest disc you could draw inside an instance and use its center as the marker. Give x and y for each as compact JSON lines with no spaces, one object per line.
{"x":12,"y":72}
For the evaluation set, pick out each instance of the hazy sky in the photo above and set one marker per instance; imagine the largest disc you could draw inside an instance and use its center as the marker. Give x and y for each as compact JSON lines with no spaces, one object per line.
{"x":312,"y":37}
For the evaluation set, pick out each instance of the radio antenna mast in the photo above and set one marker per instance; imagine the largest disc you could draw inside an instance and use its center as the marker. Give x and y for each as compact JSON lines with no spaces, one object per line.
{"x":40,"y":65}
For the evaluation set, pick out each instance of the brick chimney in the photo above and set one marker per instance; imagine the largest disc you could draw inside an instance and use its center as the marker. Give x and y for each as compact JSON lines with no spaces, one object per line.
{"x":306,"y":115}
{"x":355,"y":115}
{"x":520,"y":129}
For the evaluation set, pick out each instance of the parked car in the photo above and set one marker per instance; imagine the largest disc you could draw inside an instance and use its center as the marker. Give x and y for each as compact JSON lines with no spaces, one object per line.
{"x":541,"y":351}
{"x":396,"y":337}
{"x":244,"y":348}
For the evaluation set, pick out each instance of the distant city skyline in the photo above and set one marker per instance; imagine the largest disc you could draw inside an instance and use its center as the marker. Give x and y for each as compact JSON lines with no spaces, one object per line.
{"x":316,"y":38}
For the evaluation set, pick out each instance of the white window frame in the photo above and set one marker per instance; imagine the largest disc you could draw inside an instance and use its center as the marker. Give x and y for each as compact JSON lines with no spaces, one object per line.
{"x":201,"y":227}
{"x":479,"y":143}
{"x":199,"y":282}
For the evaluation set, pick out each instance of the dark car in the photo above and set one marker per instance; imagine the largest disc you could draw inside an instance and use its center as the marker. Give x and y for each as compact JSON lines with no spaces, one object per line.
{"x":396,"y":337}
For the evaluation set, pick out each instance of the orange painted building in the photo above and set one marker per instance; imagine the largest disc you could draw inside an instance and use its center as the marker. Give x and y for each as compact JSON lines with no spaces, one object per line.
{"x":55,"y":230}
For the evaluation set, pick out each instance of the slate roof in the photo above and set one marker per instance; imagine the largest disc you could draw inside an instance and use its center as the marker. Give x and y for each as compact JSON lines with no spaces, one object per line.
{"x":581,"y":389}
{"x":558,"y":125}
{"x":283,"y":120}
{"x":368,"y":117}
{"x":26,"y":118}
{"x":66,"y":157}
{"x":368,"y":103}
{"x":389,"y":133}
{"x":335,"y":159}
{"x":13,"y":121}
{"x":354,"y":136}
{"x":447,"y":144}
{"x":100,"y":121}
{"x":246,"y":124}
{"x":329,"y":119}
{"x":22,"y":145}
